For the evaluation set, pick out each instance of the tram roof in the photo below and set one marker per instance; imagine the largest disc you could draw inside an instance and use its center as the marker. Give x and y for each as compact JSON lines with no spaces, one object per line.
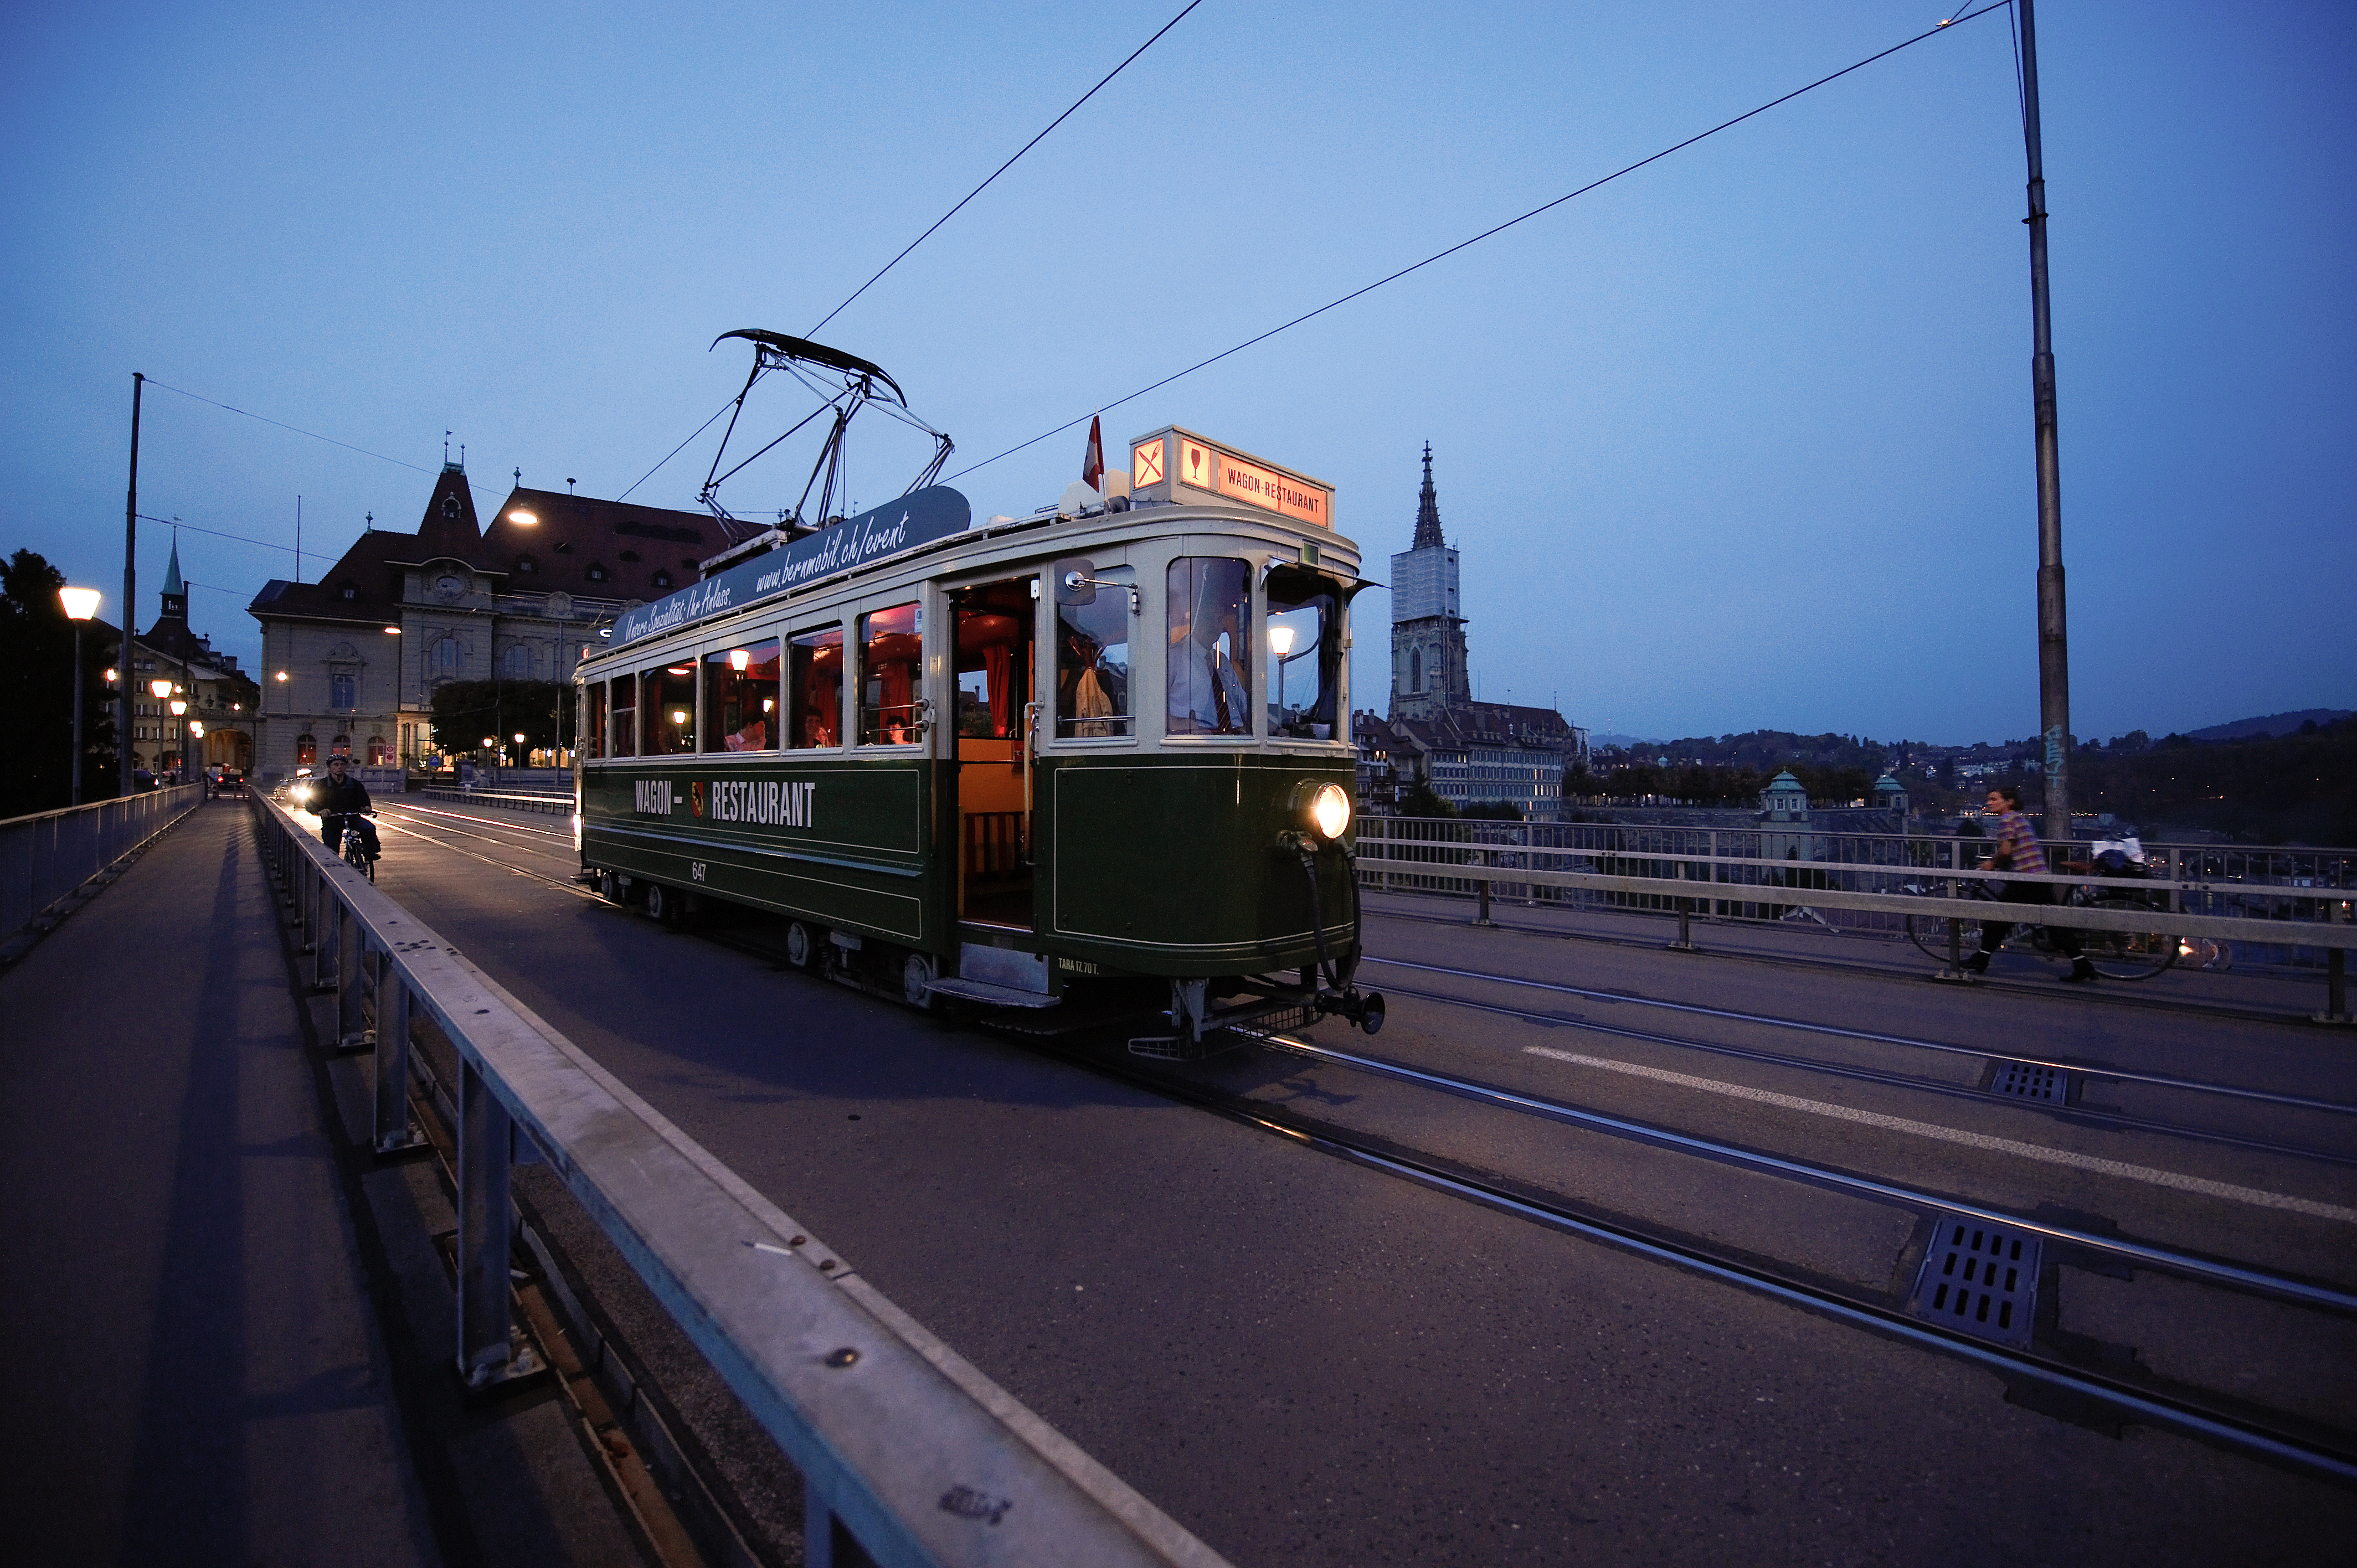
{"x":1325,"y":551}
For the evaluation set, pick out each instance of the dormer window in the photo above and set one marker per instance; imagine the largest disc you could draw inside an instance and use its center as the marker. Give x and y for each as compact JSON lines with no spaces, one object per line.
{"x":526,"y":565}
{"x":596,"y":574}
{"x":662,"y":579}
{"x":349,"y":591}
{"x":450,"y":506}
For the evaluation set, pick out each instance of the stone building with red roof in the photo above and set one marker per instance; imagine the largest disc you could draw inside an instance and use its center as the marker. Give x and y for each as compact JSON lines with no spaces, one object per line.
{"x":350,"y":662}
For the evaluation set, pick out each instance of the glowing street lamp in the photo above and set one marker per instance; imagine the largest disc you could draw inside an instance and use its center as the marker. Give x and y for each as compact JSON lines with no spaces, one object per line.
{"x":80,"y":604}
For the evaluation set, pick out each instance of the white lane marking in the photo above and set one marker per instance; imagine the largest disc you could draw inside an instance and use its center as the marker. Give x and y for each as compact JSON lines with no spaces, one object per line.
{"x":2228,"y":1191}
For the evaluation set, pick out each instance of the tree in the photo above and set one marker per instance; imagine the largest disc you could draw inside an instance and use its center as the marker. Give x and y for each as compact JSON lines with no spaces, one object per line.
{"x":467,"y":711}
{"x":37,"y":677}
{"x":1418,"y":800}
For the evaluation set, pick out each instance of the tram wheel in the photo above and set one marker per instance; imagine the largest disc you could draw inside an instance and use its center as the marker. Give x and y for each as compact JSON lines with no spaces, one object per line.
{"x":917,"y":980}
{"x":662,"y":904}
{"x":799,"y":945}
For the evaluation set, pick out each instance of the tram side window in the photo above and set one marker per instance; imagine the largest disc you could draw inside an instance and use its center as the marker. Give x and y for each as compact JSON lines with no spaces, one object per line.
{"x":740,"y":698}
{"x":1093,"y":660}
{"x":814,"y":689}
{"x":625,"y":716}
{"x":1303,"y":655}
{"x":889,"y":662}
{"x":1211,"y":645}
{"x":670,"y":705}
{"x":593,"y":721}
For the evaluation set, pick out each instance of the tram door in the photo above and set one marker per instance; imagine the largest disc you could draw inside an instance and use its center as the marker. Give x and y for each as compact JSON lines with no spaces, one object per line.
{"x":995,"y":682}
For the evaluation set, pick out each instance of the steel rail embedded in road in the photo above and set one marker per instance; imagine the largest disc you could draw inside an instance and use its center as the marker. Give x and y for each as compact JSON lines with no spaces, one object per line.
{"x":2126,"y":1075}
{"x":2183,"y":1415}
{"x":900,"y":1442}
{"x":2190,"y":1265}
{"x":2072,"y":1112}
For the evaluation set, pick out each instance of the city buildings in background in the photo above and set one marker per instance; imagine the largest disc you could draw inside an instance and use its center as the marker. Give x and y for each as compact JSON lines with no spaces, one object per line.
{"x":1473,"y":756}
{"x":352,"y":661}
{"x":223,"y":701}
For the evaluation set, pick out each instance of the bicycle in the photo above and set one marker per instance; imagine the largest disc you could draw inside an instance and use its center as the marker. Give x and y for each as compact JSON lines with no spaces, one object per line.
{"x":2116,"y":955}
{"x":355,"y":847}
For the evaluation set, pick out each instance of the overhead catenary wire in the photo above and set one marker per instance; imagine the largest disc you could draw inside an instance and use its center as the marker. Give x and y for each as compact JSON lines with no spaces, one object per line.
{"x":284,"y":426}
{"x":1002,"y":168}
{"x":1947,"y":26}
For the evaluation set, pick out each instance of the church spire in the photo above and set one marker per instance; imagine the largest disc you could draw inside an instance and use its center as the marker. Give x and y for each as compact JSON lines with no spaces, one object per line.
{"x":173,"y":588}
{"x":1427,"y":509}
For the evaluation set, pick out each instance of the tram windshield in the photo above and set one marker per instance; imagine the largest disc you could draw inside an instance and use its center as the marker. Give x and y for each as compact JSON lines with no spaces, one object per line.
{"x":669,"y":694}
{"x":1093,"y":660}
{"x":1209,"y":602}
{"x":814,"y":689}
{"x":625,"y":716}
{"x":740,"y":698}
{"x":890,"y":658}
{"x":1303,"y":655}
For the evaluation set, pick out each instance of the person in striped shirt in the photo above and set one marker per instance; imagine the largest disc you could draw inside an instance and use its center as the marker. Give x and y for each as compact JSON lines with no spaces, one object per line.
{"x":2017,"y":849}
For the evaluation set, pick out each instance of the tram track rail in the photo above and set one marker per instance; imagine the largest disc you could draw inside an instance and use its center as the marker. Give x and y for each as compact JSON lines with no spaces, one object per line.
{"x":2079,"y":1113}
{"x":2302,"y":1445}
{"x":2125,"y":1075}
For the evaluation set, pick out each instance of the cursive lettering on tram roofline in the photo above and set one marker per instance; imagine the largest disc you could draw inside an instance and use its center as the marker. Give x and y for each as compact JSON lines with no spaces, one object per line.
{"x":917,"y":519}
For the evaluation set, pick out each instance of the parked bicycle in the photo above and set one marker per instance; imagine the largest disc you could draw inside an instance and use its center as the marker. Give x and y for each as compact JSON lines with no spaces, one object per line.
{"x":2116,"y":955}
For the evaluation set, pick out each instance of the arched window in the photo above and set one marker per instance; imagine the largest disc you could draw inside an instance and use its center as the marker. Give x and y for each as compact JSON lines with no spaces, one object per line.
{"x":377,"y":754}
{"x":516,"y":663}
{"x":448,"y":657}
{"x":307,"y":750}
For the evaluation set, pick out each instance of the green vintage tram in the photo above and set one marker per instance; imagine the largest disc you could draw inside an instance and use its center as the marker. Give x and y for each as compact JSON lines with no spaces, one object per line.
{"x":1106,"y":747}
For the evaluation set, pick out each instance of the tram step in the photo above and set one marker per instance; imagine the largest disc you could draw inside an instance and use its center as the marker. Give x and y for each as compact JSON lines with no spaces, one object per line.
{"x":992,"y":995}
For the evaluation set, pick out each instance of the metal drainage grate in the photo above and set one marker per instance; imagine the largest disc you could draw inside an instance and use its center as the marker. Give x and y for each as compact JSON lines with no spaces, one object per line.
{"x":2028,"y":1081}
{"x":1979,"y":1278}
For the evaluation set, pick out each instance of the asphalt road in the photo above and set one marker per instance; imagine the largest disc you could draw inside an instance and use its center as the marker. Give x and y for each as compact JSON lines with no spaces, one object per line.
{"x":1304,"y":1361}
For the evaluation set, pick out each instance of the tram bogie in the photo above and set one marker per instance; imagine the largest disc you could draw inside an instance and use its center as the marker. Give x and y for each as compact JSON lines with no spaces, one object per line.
{"x":995,"y":765}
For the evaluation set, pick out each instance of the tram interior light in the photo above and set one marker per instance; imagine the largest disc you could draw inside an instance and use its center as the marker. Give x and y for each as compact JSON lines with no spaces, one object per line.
{"x":679,"y":715}
{"x":739,"y":659}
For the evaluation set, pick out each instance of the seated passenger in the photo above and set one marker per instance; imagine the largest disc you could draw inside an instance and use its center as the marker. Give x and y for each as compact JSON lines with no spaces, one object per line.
{"x":754,"y":736}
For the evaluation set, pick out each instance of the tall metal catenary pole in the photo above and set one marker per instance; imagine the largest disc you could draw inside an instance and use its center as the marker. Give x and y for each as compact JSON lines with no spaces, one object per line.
{"x":2053,"y":639}
{"x":130,"y":575}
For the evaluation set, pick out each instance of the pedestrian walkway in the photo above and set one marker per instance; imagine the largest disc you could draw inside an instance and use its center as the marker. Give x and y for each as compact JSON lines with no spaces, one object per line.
{"x":210,"y":1328}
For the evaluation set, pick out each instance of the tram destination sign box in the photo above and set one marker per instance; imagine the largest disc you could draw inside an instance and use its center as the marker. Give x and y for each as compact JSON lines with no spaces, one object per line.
{"x":1176,"y":464}
{"x":918,"y":518}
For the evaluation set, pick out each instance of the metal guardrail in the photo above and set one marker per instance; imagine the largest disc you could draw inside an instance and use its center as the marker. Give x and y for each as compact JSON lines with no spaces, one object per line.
{"x":1479,"y":858}
{"x":512,"y":800}
{"x":45,"y":856}
{"x":902,"y":1446}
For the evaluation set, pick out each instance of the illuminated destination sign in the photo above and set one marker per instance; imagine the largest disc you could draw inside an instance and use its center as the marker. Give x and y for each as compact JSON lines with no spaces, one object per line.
{"x":918,"y":518}
{"x":1170,"y":463}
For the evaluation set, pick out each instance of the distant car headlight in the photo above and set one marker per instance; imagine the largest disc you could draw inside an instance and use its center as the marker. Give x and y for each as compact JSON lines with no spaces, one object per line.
{"x":1329,"y":811}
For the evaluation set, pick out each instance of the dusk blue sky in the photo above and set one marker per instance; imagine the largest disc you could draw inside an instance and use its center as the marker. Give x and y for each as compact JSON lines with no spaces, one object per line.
{"x":1741,"y":441}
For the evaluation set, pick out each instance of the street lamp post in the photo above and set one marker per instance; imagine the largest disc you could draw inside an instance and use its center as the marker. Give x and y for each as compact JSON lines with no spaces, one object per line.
{"x":181,"y":711}
{"x":80,"y":604}
{"x":159,"y":690}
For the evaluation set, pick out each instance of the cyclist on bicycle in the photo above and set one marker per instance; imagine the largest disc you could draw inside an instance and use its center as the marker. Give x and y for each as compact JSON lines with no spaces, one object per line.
{"x":2017,"y":849}
{"x":343,"y":799}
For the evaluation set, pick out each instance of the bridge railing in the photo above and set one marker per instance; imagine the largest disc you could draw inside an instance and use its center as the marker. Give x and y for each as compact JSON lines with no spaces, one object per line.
{"x":1857,"y":881}
{"x":903,"y":1446}
{"x":509,"y":800}
{"x":45,"y":856}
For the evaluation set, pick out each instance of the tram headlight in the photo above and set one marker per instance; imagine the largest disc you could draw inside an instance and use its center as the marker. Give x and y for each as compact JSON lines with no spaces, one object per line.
{"x":1326,"y":809}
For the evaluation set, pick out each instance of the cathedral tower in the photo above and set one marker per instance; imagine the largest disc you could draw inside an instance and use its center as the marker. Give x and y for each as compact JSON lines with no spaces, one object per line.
{"x":1429,"y":675}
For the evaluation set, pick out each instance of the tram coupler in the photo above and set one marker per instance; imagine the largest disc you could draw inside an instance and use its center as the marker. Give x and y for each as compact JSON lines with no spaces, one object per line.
{"x":1363,"y":1008}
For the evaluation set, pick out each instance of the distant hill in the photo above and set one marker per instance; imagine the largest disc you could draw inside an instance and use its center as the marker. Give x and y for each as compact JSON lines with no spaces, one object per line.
{"x":2273,"y":723}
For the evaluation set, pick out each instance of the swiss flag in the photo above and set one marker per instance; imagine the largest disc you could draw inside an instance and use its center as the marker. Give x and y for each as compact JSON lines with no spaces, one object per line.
{"x":1093,"y":460}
